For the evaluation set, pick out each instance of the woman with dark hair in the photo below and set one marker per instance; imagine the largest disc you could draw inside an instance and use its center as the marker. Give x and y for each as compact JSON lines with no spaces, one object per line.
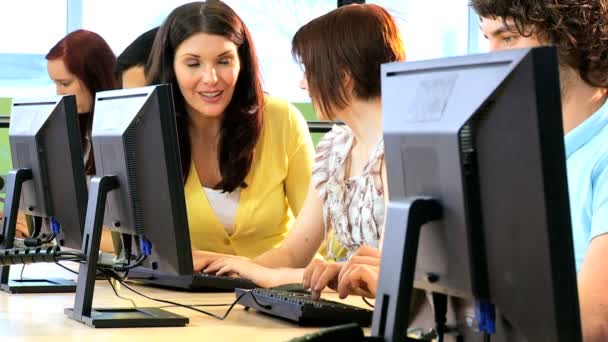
{"x":82,"y":64}
{"x":131,"y":63}
{"x":341,"y":52}
{"x":246,"y":157}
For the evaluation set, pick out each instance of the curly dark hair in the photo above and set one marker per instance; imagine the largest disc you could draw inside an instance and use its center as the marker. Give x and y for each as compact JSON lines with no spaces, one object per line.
{"x":578,"y":28}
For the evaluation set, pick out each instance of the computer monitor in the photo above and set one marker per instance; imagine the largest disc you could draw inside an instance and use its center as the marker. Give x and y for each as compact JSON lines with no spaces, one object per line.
{"x":138,"y":190}
{"x":5,"y":154}
{"x":47,"y":181}
{"x":478,"y":203}
{"x":135,"y":137}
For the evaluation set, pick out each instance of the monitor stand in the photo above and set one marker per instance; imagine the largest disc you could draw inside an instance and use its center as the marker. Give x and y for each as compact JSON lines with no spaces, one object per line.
{"x":108,"y":317}
{"x":52,"y":285}
{"x":400,"y":243}
{"x":393,"y":295}
{"x":15,"y":180}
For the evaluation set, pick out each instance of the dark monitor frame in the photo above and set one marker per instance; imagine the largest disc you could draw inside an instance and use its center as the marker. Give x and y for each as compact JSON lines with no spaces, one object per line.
{"x":450,"y":235}
{"x":138,"y":190}
{"x":4,"y":123}
{"x":321,"y":126}
{"x":150,"y":204}
{"x":47,"y":182}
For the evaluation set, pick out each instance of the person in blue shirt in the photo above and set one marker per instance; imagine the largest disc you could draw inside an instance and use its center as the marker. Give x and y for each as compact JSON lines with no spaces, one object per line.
{"x":579,"y":29}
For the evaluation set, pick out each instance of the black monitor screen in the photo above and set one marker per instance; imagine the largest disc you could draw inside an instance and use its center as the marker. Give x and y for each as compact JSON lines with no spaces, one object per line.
{"x":482,"y":135}
{"x":135,"y":140}
{"x":44,"y":137}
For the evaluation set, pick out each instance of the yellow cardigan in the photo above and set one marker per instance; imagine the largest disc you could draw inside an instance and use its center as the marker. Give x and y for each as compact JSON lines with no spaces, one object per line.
{"x":277,"y":185}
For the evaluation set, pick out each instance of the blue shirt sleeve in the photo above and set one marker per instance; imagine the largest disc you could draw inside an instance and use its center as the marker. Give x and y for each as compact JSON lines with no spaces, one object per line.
{"x":599,"y":220}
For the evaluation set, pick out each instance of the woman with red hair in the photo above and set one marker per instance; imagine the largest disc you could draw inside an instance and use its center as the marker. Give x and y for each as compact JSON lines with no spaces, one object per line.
{"x":82,"y":64}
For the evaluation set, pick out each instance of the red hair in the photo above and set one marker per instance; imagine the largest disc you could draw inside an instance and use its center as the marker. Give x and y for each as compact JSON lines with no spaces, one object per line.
{"x":89,"y":57}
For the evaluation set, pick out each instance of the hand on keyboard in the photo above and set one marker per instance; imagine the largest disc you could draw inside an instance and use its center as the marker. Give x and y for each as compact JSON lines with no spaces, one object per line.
{"x":320,"y":274}
{"x":242,"y":267}
{"x":202,"y":259}
{"x":359,"y":276}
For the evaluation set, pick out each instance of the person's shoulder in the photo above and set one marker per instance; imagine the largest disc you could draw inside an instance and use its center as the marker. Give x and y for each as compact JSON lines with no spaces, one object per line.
{"x":599,"y":152}
{"x":338,"y":135}
{"x":333,"y":145}
{"x":330,"y":154}
{"x":275,"y":105}
{"x":280,"y":113}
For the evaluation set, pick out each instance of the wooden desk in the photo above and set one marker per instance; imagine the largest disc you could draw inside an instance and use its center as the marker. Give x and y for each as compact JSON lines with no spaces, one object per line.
{"x":40,"y":317}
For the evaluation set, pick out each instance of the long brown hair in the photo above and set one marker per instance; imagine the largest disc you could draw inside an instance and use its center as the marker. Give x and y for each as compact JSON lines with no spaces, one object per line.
{"x":350,"y":42}
{"x":242,"y":120}
{"x":89,"y":57}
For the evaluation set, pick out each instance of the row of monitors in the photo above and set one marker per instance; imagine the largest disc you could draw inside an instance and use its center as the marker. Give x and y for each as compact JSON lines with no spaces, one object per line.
{"x":481,"y":136}
{"x":316,"y":128}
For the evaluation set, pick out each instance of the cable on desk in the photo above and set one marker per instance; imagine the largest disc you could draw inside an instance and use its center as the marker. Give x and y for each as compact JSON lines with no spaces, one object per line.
{"x":368,"y":303}
{"x":108,"y":273}
{"x":75,"y":272}
{"x":191,"y":307}
{"x":109,"y":279}
{"x":66,"y":268}
{"x":113,"y":273}
{"x":196,"y":305}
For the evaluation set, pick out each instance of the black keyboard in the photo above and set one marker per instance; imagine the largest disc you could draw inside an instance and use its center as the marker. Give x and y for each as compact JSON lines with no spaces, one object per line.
{"x":197,"y":282}
{"x":220,"y":282}
{"x":302,"y":309}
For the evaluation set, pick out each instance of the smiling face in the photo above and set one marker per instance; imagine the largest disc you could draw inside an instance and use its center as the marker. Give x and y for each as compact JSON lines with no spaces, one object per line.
{"x":206,"y":67}
{"x":67,"y":83}
{"x":502,"y":37}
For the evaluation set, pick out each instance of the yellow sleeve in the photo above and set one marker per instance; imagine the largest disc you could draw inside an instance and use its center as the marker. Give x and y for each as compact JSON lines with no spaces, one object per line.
{"x":300,"y":159}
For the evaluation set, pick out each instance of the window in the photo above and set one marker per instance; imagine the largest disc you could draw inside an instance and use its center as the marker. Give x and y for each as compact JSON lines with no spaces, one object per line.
{"x":482,"y":43}
{"x":119,"y":22}
{"x":272,"y":37}
{"x":273,"y":24}
{"x":431,"y":28}
{"x":34,"y":27}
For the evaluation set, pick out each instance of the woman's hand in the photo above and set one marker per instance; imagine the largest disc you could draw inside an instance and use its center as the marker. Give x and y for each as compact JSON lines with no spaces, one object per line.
{"x":320,"y":274}
{"x":243,"y":268}
{"x":21,"y":230}
{"x":360,"y":274}
{"x":202,"y":259}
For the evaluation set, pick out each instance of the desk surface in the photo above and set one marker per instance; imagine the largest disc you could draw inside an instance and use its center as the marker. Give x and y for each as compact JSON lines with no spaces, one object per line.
{"x":38,"y":317}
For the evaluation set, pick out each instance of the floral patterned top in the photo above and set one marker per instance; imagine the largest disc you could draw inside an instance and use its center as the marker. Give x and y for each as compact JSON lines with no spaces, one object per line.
{"x":353,"y":207}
